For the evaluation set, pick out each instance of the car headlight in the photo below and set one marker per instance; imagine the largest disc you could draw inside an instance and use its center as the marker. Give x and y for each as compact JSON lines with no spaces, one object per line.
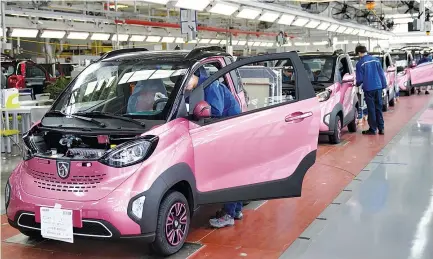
{"x":324,"y":96}
{"x":129,"y":153}
{"x":137,"y":207}
{"x":402,"y":73}
{"x":7,"y":194}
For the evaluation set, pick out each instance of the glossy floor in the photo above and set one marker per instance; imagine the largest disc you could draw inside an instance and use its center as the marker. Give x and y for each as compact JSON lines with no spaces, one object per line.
{"x":357,"y":199}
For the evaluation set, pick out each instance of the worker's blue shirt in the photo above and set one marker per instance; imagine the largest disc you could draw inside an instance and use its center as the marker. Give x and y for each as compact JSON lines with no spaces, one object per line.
{"x":221,"y":100}
{"x":423,"y":60}
{"x":369,"y":74}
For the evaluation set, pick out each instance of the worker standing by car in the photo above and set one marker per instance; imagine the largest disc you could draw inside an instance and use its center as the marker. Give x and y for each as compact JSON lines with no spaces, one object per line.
{"x":370,"y":75}
{"x":223,"y":104}
{"x":424,"y":59}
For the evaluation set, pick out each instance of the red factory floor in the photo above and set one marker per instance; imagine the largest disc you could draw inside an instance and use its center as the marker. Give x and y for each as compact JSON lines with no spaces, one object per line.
{"x":266,"y":230}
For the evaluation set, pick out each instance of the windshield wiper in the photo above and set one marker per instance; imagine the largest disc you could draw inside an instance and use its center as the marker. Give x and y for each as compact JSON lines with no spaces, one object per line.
{"x":109,"y":115}
{"x":100,"y":124}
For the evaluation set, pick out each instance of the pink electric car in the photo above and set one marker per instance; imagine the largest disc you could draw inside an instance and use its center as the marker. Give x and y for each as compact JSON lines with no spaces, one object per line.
{"x":126,"y":152}
{"x":333,"y":79}
{"x":388,"y":94}
{"x":404,"y":62}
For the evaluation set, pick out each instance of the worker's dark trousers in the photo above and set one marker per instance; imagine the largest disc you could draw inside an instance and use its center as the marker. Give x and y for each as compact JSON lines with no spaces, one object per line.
{"x":374,"y":102}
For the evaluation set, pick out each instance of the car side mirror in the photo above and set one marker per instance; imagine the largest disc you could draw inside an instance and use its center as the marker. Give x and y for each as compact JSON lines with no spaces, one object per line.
{"x":391,"y":69}
{"x":348,"y":78}
{"x":202,"y":110}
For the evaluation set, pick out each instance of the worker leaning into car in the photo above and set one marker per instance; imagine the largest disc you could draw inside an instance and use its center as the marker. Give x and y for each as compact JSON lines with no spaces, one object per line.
{"x":370,"y":74}
{"x":223,"y":104}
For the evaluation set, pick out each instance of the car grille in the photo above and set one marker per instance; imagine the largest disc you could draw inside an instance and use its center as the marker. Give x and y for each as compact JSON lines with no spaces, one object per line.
{"x":75,"y":183}
{"x":91,"y":228}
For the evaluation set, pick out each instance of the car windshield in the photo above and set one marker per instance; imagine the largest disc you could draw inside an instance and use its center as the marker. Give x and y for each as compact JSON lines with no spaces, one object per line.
{"x":126,"y":88}
{"x":319,"y":69}
{"x":400,"y":60}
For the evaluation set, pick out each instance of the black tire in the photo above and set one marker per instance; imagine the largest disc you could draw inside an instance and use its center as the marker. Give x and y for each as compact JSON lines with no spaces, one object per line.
{"x":34,"y":234}
{"x":353,"y":125}
{"x":412,"y":89}
{"x":162,"y":245}
{"x":385,"y":103}
{"x":392,"y":102}
{"x":335,"y":138}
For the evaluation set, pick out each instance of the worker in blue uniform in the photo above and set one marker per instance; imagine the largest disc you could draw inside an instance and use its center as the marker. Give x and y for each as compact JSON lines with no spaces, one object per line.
{"x":370,"y":74}
{"x":425,"y":59}
{"x":223,"y":104}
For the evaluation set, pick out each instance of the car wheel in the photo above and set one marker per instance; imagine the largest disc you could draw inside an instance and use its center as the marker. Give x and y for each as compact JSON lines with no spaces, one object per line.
{"x":392,"y":101}
{"x":335,"y":138}
{"x":36,"y":234}
{"x":173,"y":224}
{"x":385,"y":103}
{"x":353,"y":125}
{"x":412,"y":89}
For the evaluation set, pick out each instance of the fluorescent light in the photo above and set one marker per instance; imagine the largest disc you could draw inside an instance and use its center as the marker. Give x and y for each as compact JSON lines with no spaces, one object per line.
{"x":215,"y":41}
{"x":137,"y":38}
{"x":360,"y":42}
{"x":78,"y":35}
{"x":323,"y":26}
{"x":355,"y":32}
{"x":312,"y":24}
{"x":333,"y":27}
{"x":286,"y":19}
{"x":223,"y":42}
{"x":263,"y":44}
{"x":164,"y":2}
{"x":100,"y":36}
{"x":268,"y":16}
{"x":288,"y":44}
{"x":122,"y":37}
{"x":320,"y":43}
{"x":193,"y":41}
{"x":223,"y":8}
{"x":250,"y":43}
{"x":342,"y":42}
{"x":397,"y":16}
{"x":119,"y":6}
{"x":302,"y":44}
{"x":168,"y":39}
{"x":242,"y":43}
{"x":348,"y":30}
{"x":234,"y":42}
{"x":153,"y":38}
{"x":256,"y":43}
{"x":193,"y":4}
{"x":24,"y":33}
{"x":53,"y":34}
{"x":300,"y":22}
{"x":403,"y":20}
{"x":248,"y":13}
{"x":179,"y":40}
{"x":204,"y":41}
{"x":270,"y":44}
{"x":361,"y":32}
{"x":341,"y":29}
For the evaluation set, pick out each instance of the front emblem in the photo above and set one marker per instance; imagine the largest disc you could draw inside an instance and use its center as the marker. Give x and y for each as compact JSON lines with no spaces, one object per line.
{"x":63,"y":169}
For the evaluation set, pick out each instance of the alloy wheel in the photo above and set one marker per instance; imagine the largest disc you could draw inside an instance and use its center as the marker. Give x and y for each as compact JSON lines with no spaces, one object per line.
{"x":176,"y":223}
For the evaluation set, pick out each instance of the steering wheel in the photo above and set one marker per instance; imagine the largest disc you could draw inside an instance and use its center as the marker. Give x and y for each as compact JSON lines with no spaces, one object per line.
{"x":160,"y":100}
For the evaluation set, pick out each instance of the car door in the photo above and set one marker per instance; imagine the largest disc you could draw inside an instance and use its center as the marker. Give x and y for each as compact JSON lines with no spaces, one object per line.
{"x":36,"y":76}
{"x":422,"y":75}
{"x":261,"y":153}
{"x":347,"y":90}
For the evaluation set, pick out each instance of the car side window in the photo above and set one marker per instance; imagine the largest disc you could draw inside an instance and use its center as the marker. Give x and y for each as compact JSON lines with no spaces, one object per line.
{"x":34,"y":71}
{"x":343,"y":68}
{"x":387,"y":61}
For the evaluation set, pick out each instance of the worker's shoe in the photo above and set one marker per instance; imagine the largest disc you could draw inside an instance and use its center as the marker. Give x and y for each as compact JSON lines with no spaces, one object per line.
{"x":238,"y":215}
{"x":224,"y":221}
{"x":368,"y":132}
{"x":427,"y":92}
{"x":381,"y":132}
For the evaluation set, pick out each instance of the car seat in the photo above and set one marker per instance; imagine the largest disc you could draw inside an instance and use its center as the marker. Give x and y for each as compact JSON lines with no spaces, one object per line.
{"x":143,"y":95}
{"x":326,"y":71}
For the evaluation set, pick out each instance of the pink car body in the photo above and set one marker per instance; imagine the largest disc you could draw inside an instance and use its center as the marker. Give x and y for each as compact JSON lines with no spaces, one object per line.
{"x":188,"y":162}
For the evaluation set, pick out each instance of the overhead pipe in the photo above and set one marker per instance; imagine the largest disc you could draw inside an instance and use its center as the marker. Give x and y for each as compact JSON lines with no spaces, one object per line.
{"x":199,"y":28}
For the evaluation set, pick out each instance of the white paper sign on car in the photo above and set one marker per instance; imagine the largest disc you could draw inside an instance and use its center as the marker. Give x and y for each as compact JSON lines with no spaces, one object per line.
{"x":57,"y":224}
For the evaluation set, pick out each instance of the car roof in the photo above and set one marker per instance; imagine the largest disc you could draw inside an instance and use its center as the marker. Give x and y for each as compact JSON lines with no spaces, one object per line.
{"x":165,"y":55}
{"x":316,"y":53}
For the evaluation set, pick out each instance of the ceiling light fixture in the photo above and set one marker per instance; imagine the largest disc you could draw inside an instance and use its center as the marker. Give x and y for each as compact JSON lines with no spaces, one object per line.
{"x":137,"y":38}
{"x":248,"y":13}
{"x":302,"y":44}
{"x":323,"y":26}
{"x":223,"y":8}
{"x":333,"y":27}
{"x":300,"y":22}
{"x":263,"y":44}
{"x":168,"y":39}
{"x":53,"y":34}
{"x":215,"y":41}
{"x":192,"y":4}
{"x":341,"y":29}
{"x":344,"y":42}
{"x":250,"y":43}
{"x":268,"y":16}
{"x":257,"y":43}
{"x":242,"y":43}
{"x":164,"y":2}
{"x":122,"y":37}
{"x":320,"y":43}
{"x":270,"y":44}
{"x":153,"y":38}
{"x":24,"y":33}
{"x":73,"y":35}
{"x":100,"y":36}
{"x":223,"y":42}
{"x":348,"y":30}
{"x":312,"y":24}
{"x":179,"y":40}
{"x":286,"y":19}
{"x":234,"y":42}
{"x":355,"y":32}
{"x":204,"y":41}
{"x":287,"y":44}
